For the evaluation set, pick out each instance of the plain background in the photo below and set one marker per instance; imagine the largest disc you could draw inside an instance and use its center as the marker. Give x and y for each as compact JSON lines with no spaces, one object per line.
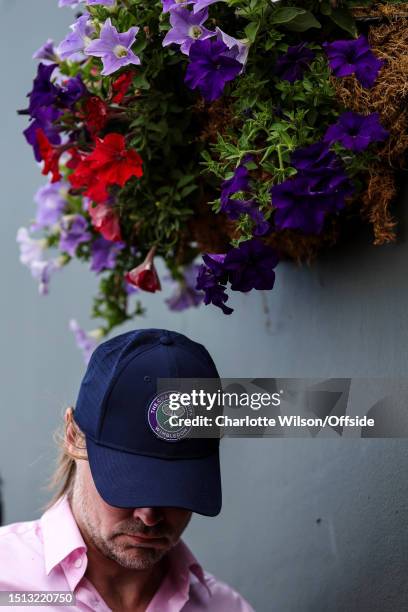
{"x":307,"y":525}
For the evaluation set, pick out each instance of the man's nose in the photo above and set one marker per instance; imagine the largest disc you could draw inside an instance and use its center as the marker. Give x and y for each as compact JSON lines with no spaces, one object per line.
{"x":149,"y":516}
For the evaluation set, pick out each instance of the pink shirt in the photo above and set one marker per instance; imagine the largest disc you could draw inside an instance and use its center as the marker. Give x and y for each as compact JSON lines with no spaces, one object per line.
{"x":49,"y":554}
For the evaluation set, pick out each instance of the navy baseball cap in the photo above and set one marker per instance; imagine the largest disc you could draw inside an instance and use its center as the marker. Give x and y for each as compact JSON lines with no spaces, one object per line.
{"x":133,"y":461}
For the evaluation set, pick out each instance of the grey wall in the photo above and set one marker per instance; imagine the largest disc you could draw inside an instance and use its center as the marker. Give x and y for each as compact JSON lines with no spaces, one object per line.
{"x":307,"y":525}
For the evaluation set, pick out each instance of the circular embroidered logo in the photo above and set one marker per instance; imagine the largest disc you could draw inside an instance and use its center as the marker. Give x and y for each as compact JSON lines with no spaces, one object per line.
{"x":159,"y":414}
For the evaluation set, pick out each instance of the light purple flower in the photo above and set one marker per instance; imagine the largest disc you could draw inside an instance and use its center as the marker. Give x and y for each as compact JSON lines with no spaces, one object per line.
{"x":186,"y":28}
{"x":51,"y":201}
{"x":46,"y":52}
{"x":186,"y":295}
{"x":104,"y":253}
{"x":231,"y":42}
{"x":41,"y":271}
{"x":32,"y":255}
{"x":71,"y":3}
{"x":114,"y":48}
{"x":198,"y":5}
{"x":103,"y":2}
{"x":73,"y":233}
{"x":85,"y":341}
{"x":31,"y":249}
{"x":76,"y":41}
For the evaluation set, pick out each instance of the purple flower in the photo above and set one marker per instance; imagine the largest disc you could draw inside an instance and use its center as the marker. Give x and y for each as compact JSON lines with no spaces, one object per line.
{"x":71,"y":3}
{"x":76,"y":41}
{"x":114,"y":48}
{"x":44,"y":119}
{"x":44,"y":92}
{"x":238,"y":182}
{"x":73,"y":233}
{"x":85,"y":341}
{"x":46,"y":52}
{"x":198,"y":5}
{"x":234,"y":43}
{"x":356,"y":132}
{"x":353,"y":56}
{"x":320,"y":187}
{"x":211,"y":66}
{"x":213,"y":286}
{"x":315,"y":159}
{"x":291,"y":66}
{"x":186,"y":294}
{"x":186,"y":28}
{"x":51,"y":201}
{"x":250,"y":266}
{"x":32,"y":256}
{"x":103,"y":2}
{"x":104,"y":253}
{"x":234,"y":208}
{"x":71,"y":91}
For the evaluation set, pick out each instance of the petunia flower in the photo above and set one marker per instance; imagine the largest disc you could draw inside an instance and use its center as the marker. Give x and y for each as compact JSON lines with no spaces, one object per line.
{"x":186,"y":295}
{"x":356,"y":132}
{"x":85,"y":341}
{"x":106,"y":221}
{"x":104,"y":253}
{"x":44,"y":120}
{"x":238,"y":182}
{"x":51,"y":199}
{"x":78,"y":39}
{"x":186,"y":28}
{"x":121,"y":85}
{"x":32,"y":255}
{"x":292,"y":65}
{"x":145,"y":275}
{"x":49,"y":155}
{"x":212,"y":65}
{"x":251,"y":266}
{"x":354,"y":56}
{"x":44,"y":92}
{"x":234,"y":43}
{"x":114,"y":48}
{"x":110,"y":163}
{"x":46,"y":52}
{"x":320,"y":187}
{"x":74,"y":231}
{"x":71,"y":3}
{"x":212,"y":280}
{"x":198,"y":5}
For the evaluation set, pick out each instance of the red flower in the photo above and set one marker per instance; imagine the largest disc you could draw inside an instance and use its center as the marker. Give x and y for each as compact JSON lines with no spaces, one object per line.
{"x":95,"y":114}
{"x":145,"y":275}
{"x":110,"y":163}
{"x":49,"y":155}
{"x":120,"y":86}
{"x":105,"y":221}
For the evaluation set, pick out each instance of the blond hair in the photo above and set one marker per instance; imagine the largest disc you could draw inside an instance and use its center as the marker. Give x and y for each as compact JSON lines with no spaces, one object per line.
{"x":62,"y":480}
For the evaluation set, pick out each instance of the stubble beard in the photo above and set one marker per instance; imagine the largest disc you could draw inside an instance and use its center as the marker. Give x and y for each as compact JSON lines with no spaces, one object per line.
{"x":113,"y":547}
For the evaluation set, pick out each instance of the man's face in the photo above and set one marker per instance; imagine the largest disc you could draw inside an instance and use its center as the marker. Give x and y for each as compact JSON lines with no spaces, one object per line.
{"x":135,"y":538}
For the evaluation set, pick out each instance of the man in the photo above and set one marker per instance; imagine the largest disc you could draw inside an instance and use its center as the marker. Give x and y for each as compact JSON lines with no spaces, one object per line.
{"x":128,"y":485}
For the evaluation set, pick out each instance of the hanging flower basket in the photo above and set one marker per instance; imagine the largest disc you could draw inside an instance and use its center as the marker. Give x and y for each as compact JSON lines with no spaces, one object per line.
{"x":238,"y":132}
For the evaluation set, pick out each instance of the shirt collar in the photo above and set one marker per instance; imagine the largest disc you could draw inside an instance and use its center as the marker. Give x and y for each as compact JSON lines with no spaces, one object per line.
{"x":61,"y":537}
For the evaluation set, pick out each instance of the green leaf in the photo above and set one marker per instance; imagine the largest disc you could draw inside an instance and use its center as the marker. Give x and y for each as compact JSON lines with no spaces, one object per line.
{"x":345,"y":20}
{"x":303,"y":22}
{"x":286,"y":14}
{"x":251,"y":31}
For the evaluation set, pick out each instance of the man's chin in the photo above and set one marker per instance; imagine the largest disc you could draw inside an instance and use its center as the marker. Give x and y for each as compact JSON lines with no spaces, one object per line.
{"x":137,"y":557}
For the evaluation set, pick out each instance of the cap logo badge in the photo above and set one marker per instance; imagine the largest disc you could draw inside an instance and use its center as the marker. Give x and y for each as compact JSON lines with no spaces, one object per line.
{"x":159,"y":414}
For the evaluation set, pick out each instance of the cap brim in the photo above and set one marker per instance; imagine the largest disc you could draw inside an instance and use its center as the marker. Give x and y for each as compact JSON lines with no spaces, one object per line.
{"x":127,"y":480}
